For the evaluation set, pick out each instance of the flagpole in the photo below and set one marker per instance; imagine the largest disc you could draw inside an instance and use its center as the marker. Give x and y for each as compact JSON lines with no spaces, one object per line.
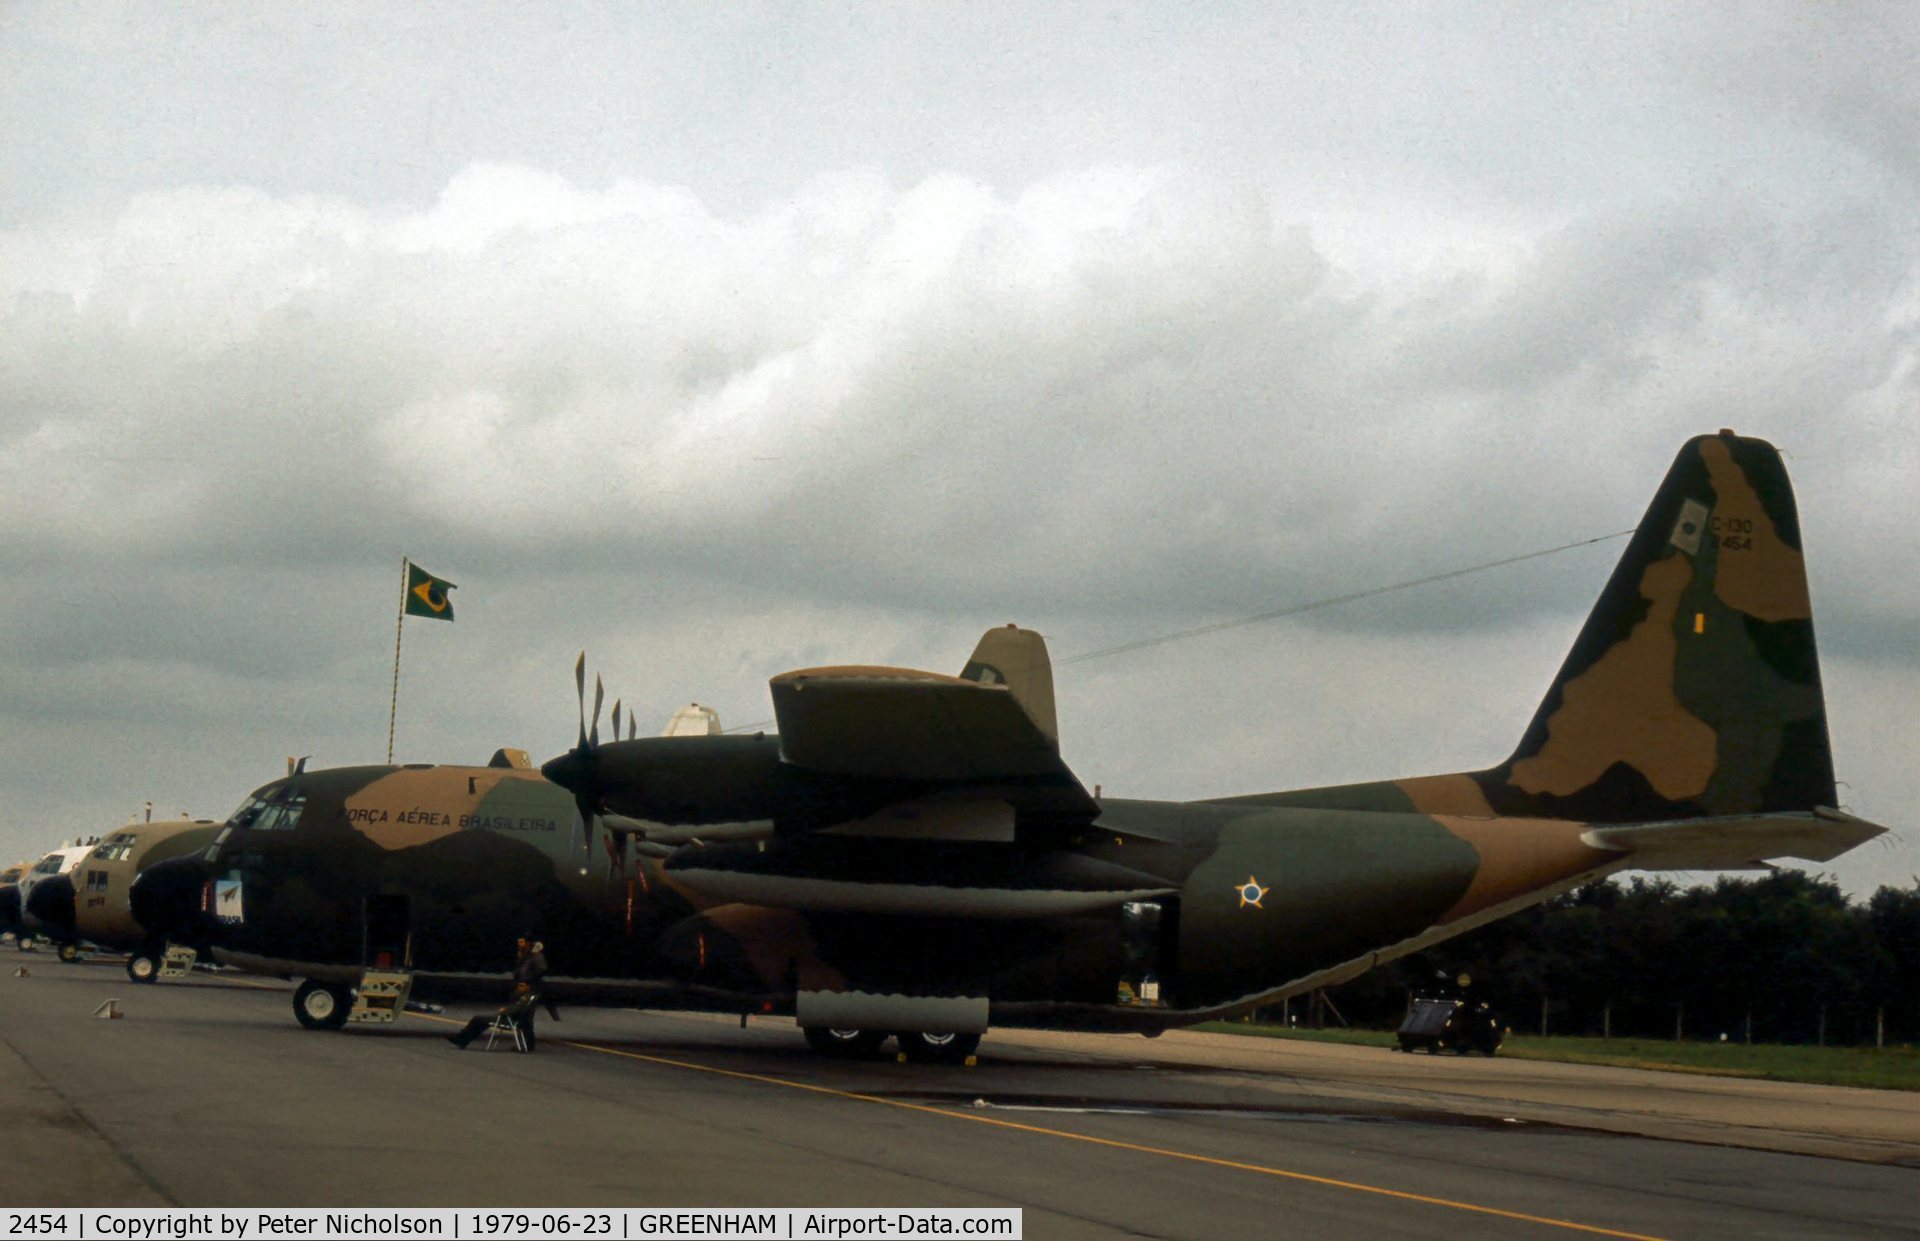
{"x":399,"y":627}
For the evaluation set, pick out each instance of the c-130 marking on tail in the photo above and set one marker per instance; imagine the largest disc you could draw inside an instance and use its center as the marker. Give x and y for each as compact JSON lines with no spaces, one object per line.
{"x":909,"y":855}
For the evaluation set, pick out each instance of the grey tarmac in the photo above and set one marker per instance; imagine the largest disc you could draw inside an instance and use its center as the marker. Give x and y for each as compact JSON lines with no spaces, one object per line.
{"x":208,"y":1094}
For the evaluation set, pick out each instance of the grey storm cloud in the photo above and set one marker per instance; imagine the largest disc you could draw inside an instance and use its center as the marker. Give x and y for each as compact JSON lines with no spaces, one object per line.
{"x":1112,"y":347}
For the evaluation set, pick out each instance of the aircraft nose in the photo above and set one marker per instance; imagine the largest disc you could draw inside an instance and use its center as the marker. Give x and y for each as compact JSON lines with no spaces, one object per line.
{"x":51,"y":901}
{"x":9,"y":907}
{"x":165,"y":899}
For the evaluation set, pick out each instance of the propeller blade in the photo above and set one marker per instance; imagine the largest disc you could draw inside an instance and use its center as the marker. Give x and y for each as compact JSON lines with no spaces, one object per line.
{"x":599,"y":695}
{"x":616,"y":719}
{"x":633,"y":726}
{"x":580,"y":692}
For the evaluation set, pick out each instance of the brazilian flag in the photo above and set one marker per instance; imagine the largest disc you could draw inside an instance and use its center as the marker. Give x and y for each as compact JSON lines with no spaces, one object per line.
{"x":427,"y":594}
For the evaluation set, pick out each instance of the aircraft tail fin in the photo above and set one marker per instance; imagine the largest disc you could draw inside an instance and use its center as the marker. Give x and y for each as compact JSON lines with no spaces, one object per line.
{"x":1017,"y":658}
{"x":1693,"y":691}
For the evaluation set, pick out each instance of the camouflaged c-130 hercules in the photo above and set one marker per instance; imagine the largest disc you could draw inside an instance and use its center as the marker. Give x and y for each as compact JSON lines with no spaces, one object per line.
{"x":909,"y":855}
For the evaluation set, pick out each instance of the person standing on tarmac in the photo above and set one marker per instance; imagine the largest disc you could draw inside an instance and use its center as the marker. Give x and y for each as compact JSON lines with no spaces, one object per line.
{"x":530,"y":966}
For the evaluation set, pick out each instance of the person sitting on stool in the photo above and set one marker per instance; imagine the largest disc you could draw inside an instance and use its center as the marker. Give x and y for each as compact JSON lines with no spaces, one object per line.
{"x":529,"y":968}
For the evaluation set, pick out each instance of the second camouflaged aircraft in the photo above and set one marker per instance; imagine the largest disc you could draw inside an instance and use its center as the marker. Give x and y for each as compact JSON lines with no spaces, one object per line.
{"x":90,"y":903}
{"x":909,"y":855}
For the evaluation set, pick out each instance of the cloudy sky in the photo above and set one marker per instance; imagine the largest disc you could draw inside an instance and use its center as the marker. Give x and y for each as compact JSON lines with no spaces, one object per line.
{"x":720,"y":340}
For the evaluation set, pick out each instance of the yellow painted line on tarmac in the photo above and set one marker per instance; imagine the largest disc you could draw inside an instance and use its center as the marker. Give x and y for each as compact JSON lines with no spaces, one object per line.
{"x":1136,"y":1148}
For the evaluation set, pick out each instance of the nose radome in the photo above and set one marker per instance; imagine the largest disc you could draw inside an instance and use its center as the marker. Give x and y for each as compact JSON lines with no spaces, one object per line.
{"x":51,"y":901}
{"x":165,"y":899}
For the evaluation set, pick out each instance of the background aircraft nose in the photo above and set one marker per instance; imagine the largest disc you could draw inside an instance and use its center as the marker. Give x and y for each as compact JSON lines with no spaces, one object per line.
{"x":165,"y":899}
{"x":10,"y":907}
{"x":51,"y":901}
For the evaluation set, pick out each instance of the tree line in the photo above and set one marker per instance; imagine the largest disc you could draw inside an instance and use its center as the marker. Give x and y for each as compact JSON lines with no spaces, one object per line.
{"x":1786,"y":958}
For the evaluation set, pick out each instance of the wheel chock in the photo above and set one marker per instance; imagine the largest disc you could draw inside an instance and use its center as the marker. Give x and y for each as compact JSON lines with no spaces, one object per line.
{"x":973,"y":1062}
{"x":109,"y":1011}
{"x":899,"y":1057}
{"x":21,"y":971}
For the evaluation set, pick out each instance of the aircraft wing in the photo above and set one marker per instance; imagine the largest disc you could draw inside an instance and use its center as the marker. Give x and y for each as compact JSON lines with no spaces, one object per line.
{"x":1736,"y":843}
{"x":861,"y":751}
{"x":968,"y":738}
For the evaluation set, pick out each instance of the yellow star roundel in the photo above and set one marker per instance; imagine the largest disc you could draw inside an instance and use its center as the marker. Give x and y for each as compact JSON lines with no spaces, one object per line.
{"x":1251,"y":892}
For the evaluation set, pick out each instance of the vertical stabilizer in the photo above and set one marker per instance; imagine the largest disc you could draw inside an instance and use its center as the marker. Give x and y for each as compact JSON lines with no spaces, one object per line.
{"x":1694,"y":688}
{"x":1017,"y":658}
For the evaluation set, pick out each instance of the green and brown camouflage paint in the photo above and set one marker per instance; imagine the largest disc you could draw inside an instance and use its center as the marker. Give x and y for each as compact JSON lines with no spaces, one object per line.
{"x":916,"y":834}
{"x":1691,"y":693}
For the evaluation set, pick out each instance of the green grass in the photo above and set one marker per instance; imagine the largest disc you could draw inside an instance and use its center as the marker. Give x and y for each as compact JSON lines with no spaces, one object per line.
{"x":1890,"y":1068}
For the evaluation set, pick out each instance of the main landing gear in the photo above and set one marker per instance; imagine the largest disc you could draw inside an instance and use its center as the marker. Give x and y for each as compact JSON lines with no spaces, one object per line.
{"x":845,"y":1044}
{"x":924,"y":1048}
{"x":322,"y":1005}
{"x":918,"y":1046}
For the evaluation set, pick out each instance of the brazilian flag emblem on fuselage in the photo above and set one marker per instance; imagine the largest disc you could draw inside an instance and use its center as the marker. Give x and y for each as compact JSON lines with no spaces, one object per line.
{"x":427,"y":594}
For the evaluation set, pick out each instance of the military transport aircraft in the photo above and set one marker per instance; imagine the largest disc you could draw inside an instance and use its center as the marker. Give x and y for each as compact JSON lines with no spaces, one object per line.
{"x":909,"y":856}
{"x":19,"y":909}
{"x":89,"y":904}
{"x":429,"y":870}
{"x":10,"y":923}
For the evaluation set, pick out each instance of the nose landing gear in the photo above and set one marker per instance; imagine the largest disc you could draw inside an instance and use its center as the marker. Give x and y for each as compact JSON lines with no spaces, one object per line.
{"x":321,"y":1005}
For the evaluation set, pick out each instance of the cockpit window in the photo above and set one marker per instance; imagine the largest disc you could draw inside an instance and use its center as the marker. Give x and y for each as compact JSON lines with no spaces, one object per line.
{"x":212,"y":853}
{"x":115,"y":848}
{"x":48,"y":866}
{"x":279,"y":811}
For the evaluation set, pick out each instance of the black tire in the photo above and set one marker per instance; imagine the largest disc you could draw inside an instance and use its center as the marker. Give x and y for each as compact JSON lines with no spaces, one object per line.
{"x":68,"y":952}
{"x":922,"y":1047}
{"x":844,"y":1044}
{"x":142,"y":967}
{"x":321,"y":1006}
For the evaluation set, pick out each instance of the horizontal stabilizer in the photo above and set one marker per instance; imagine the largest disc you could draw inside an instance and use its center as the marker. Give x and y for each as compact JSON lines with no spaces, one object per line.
{"x":1737,"y":842}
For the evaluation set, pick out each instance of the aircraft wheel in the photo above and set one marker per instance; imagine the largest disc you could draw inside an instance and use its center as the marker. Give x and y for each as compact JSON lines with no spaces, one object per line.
{"x":922,"y":1047}
{"x":69,"y":952}
{"x":143,"y":968}
{"x":321,"y":1006}
{"x":845,"y":1044}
